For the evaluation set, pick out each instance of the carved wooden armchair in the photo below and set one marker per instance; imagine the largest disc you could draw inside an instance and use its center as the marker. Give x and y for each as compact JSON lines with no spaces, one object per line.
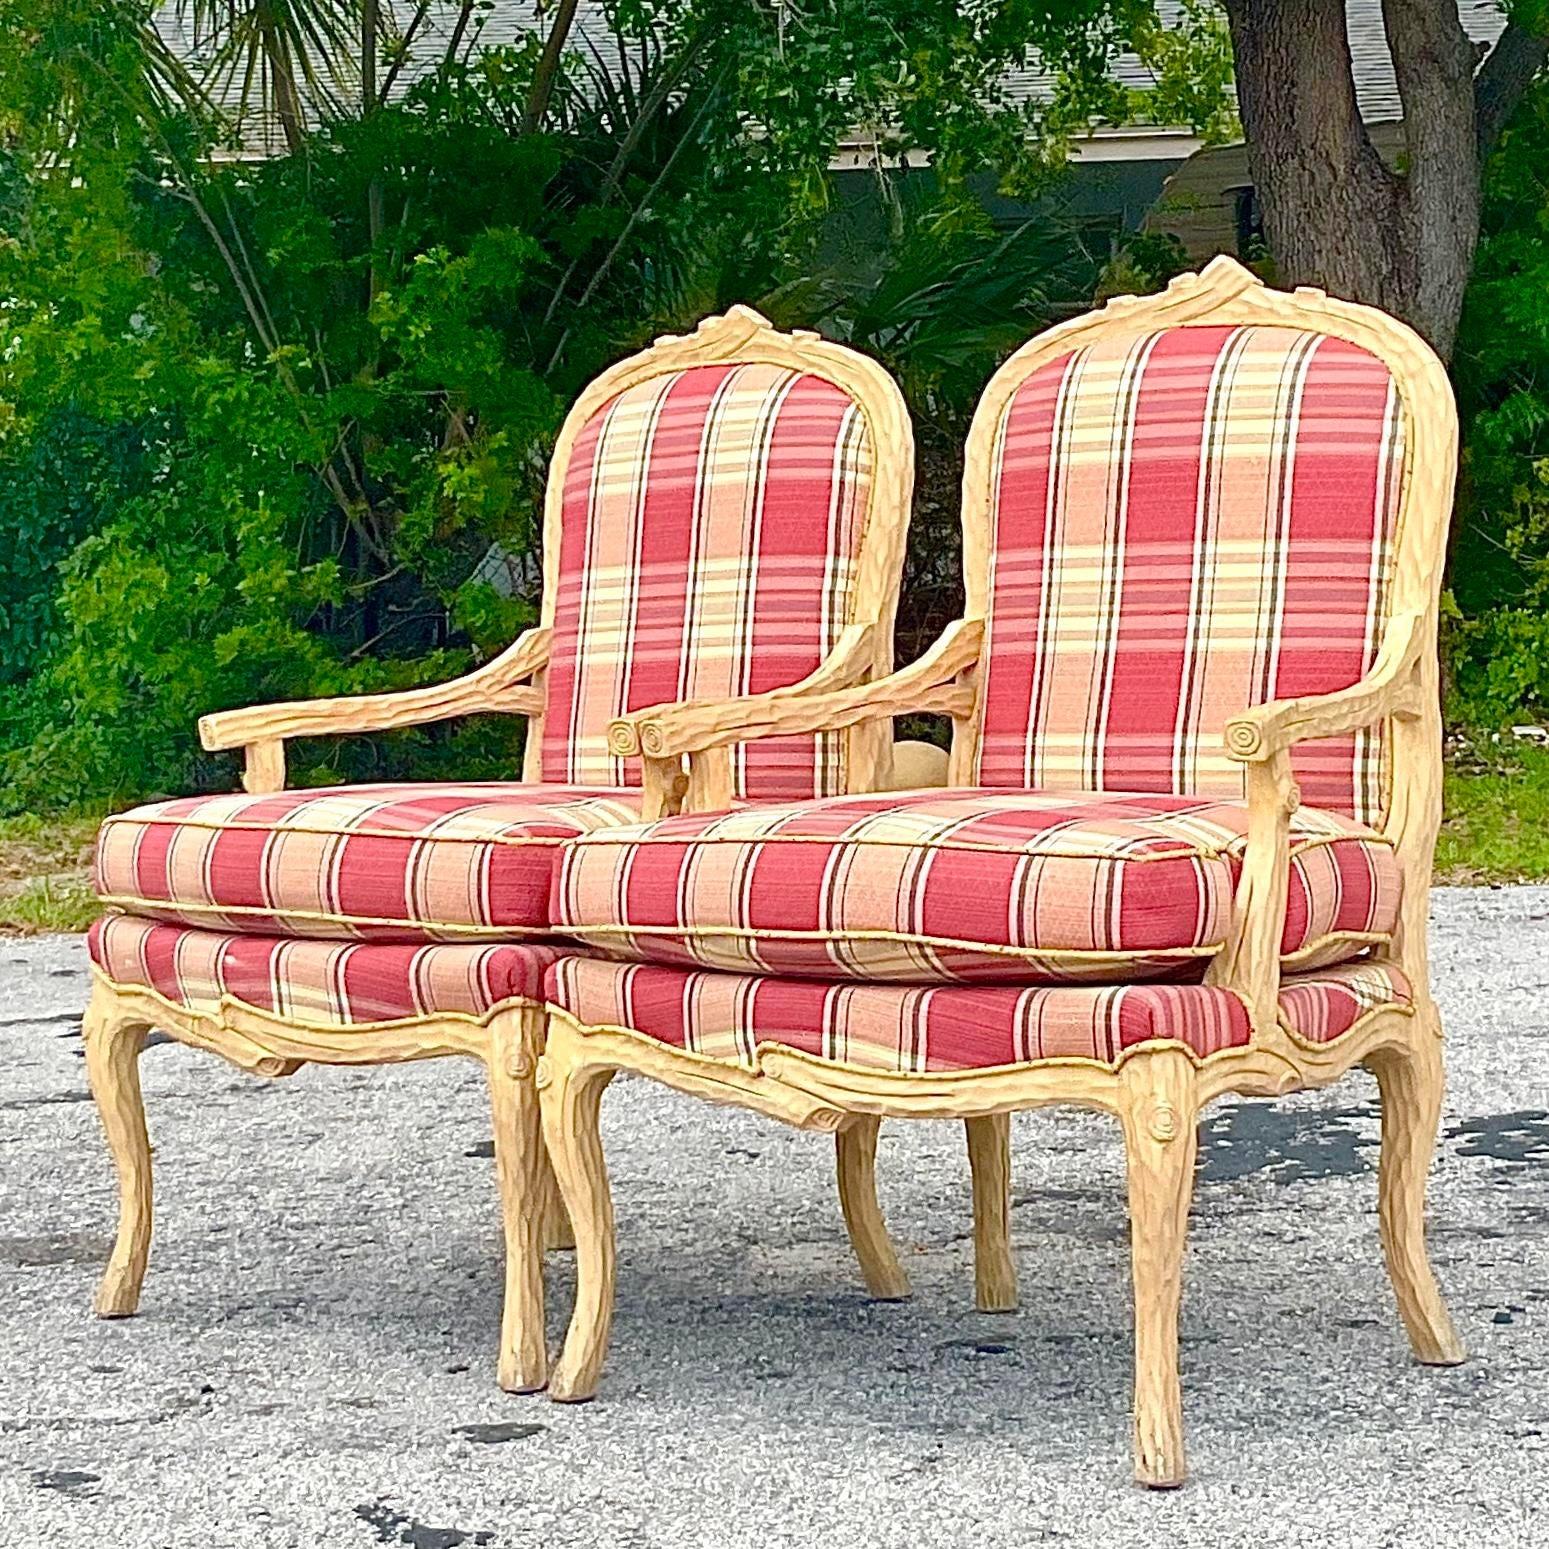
{"x":1187,"y":844}
{"x":726,"y":513}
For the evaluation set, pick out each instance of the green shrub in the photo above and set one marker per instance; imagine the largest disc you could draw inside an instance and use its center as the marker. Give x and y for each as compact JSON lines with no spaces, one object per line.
{"x":1497,"y":631}
{"x":279,"y":429}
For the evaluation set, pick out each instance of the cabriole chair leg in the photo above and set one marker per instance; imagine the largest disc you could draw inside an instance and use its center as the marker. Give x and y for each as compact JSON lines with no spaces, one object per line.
{"x":856,"y":1153}
{"x":113,"y":1046}
{"x":558,"y":1237}
{"x":1411,"y":1082}
{"x":570,"y":1093}
{"x":1158,"y":1109}
{"x":521,"y":1170}
{"x":989,"y":1163}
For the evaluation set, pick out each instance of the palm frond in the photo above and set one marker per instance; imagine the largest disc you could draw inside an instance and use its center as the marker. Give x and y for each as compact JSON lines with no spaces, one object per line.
{"x":287,"y":61}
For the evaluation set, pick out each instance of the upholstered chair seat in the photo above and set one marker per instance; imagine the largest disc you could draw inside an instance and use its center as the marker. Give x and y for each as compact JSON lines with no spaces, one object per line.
{"x":981,"y":886}
{"x":443,"y":862}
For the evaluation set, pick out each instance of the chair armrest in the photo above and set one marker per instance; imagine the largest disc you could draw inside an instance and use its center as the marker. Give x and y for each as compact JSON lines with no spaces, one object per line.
{"x":1391,"y":688}
{"x":1262,"y":738}
{"x":815,"y":704}
{"x":496,"y":686}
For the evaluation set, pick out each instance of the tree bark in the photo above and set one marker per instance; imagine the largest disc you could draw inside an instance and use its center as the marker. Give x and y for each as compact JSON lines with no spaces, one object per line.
{"x":1335,"y":215}
{"x":285,"y":97}
{"x":547,"y":71}
{"x":370,"y":23}
{"x":1518,"y":56}
{"x":1433,"y":62}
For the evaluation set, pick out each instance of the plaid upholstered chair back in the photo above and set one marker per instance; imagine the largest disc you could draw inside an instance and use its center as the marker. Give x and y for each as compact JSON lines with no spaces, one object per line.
{"x":719,"y":524}
{"x":1185,"y":522}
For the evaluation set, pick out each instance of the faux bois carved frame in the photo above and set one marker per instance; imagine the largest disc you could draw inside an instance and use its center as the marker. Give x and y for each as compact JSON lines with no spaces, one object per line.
{"x":1157,"y":1090}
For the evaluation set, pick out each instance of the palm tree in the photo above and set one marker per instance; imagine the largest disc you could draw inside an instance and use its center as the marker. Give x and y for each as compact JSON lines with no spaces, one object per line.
{"x":287,"y":61}
{"x":293,"y":62}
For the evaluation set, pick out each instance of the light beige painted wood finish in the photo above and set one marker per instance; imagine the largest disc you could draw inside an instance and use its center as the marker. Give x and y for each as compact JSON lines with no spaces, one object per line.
{"x":1157,"y":1090}
{"x":509,"y":1040}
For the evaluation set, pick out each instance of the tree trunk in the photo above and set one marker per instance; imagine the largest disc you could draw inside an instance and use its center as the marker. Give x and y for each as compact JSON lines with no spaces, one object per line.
{"x":1335,"y":215}
{"x":1434,"y":64}
{"x":370,"y":23}
{"x":285,"y":98}
{"x":547,"y":71}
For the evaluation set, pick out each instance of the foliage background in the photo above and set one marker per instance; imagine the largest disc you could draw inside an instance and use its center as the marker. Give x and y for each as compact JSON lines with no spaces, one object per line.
{"x":277,"y":428}
{"x":1498,"y":634}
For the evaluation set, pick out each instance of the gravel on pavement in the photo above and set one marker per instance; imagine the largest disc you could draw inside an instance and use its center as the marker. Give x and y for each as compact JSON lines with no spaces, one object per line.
{"x":314,"y":1359}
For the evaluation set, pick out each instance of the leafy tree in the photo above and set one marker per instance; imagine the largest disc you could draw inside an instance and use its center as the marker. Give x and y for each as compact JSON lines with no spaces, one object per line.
{"x":1335,"y":214}
{"x":1499,"y":629}
{"x":285,"y":58}
{"x":319,"y":388}
{"x":280,"y":427}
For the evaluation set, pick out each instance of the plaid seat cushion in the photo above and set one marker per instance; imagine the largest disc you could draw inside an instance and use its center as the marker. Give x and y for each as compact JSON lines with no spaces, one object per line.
{"x":949,"y":1027}
{"x":366,"y":862}
{"x":324,"y":983}
{"x":1186,"y":524}
{"x":712,"y":519}
{"x":1015,"y":886}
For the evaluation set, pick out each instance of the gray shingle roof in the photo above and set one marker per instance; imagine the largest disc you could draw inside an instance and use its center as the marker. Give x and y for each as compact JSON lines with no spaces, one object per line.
{"x":507,"y":22}
{"x":1375,"y":88}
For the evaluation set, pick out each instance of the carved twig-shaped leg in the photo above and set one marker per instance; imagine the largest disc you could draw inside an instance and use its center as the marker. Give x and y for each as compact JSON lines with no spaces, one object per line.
{"x":856,"y":1147}
{"x":557,"y":1233}
{"x":113,"y":1045}
{"x":570,"y":1092}
{"x":1158,"y":1107}
{"x":989,"y":1161}
{"x":1411,"y":1081}
{"x":522,"y":1172}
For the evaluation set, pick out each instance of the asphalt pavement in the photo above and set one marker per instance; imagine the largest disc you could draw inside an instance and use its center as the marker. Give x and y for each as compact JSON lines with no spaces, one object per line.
{"x":314,"y":1360}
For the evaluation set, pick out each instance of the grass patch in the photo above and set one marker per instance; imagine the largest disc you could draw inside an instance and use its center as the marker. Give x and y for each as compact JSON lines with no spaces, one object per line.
{"x":49,"y":904}
{"x":1496,"y":829}
{"x":45,"y":874}
{"x":1496,"y":823}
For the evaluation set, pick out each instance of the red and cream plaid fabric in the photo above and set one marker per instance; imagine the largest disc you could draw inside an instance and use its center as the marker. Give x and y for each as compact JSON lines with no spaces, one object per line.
{"x":913,"y":1029}
{"x":325,"y":983}
{"x":1010,"y":886}
{"x":712,"y":522}
{"x":364,"y":862}
{"x":1187,"y":524}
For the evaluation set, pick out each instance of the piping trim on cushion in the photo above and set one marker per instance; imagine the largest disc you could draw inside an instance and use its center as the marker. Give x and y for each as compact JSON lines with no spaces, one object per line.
{"x":1184,"y":852}
{"x":144,"y":909}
